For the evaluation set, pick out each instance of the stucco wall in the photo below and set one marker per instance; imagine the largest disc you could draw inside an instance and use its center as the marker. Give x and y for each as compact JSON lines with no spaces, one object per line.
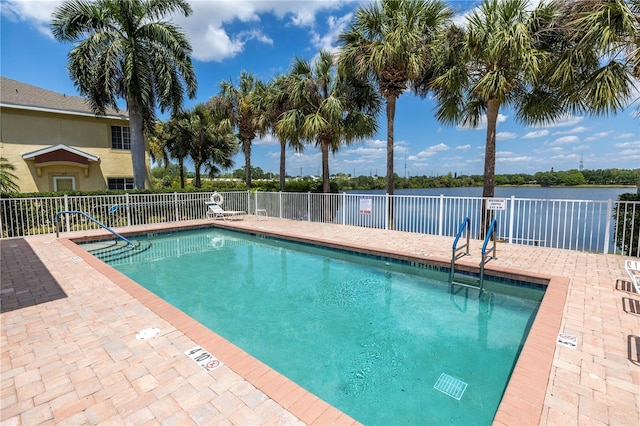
{"x":23,"y":131}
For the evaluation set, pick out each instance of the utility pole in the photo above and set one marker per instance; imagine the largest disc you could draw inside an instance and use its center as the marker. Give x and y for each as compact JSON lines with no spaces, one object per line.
{"x":405,"y":165}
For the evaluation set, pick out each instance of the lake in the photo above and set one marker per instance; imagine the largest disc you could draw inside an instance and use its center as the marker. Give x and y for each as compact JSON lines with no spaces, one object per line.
{"x":573,"y":218}
{"x":562,"y":193}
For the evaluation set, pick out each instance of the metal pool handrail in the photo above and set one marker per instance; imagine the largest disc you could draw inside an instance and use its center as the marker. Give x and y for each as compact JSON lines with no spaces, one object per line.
{"x":491,"y":235}
{"x":466,"y":224}
{"x":57,"y":223}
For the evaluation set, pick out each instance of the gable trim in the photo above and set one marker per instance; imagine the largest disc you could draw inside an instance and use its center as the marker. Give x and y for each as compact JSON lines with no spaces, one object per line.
{"x":33,"y":154}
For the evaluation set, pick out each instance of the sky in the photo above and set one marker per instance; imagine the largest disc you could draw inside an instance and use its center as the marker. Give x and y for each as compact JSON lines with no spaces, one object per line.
{"x":263,"y":37}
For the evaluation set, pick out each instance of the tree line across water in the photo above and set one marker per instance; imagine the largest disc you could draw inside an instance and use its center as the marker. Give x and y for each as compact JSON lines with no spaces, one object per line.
{"x":168,"y":178}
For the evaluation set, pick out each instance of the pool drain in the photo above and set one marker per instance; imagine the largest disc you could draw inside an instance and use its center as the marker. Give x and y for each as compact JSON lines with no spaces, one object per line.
{"x":147,"y":333}
{"x":450,"y":386}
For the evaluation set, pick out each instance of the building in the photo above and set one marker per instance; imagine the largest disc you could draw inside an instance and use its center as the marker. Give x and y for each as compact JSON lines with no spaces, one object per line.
{"x":56,"y":143}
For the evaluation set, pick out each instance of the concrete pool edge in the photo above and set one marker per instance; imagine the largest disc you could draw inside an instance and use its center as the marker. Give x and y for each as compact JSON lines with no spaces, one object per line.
{"x":289,"y":395}
{"x":523,"y":400}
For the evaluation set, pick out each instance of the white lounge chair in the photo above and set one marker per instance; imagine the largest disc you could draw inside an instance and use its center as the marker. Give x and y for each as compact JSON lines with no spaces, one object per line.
{"x":214,"y":211}
{"x":633,"y":269}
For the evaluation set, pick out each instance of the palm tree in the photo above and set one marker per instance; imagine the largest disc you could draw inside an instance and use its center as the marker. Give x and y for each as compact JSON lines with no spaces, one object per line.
{"x":241,"y":106}
{"x":497,"y":60}
{"x":389,"y":41}
{"x":277,"y":102}
{"x":602,"y":55}
{"x":8,"y":179}
{"x":601,"y":65}
{"x":125,"y":49}
{"x":209,"y":140}
{"x":177,"y":143}
{"x":328,"y":108}
{"x":158,"y":138}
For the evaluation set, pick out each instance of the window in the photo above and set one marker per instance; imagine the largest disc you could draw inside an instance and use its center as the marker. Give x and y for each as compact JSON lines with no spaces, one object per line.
{"x":120,"y":137}
{"x":120,"y":183}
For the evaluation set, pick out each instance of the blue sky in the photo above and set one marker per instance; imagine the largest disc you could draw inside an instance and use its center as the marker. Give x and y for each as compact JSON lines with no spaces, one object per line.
{"x":263,"y":36}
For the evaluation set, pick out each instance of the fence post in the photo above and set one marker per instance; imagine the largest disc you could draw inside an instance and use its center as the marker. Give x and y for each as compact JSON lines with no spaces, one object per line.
{"x":344,"y":208}
{"x":607,"y":227}
{"x":511,"y":217}
{"x":126,"y":199}
{"x":175,"y":203}
{"x":280,"y":203}
{"x":66,"y":208}
{"x":386,"y":211}
{"x":255,"y":198}
{"x":441,"y":215}
{"x":309,"y":206}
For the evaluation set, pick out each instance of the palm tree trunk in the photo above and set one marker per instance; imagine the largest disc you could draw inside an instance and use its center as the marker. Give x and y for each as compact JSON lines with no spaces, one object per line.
{"x":283,"y":154}
{"x":324,"y":146}
{"x":391,"y":114}
{"x":246,"y":147}
{"x":138,"y":151}
{"x":181,"y":168}
{"x":197,"y":166}
{"x":493,"y":106}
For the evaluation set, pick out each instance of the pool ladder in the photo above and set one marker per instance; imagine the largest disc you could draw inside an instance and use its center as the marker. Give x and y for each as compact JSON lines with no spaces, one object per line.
{"x":57,"y":224}
{"x":465,"y":280}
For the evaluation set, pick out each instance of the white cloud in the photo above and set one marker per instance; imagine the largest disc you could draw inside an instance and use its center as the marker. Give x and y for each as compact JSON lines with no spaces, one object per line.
{"x":511,"y":157}
{"x":464,"y":147}
{"x":579,"y":129}
{"x":432,"y":150}
{"x":597,"y":136}
{"x":37,"y":13}
{"x":268,"y":139}
{"x":565,"y":157}
{"x":329,"y":40}
{"x":207,"y":27}
{"x":501,"y":136}
{"x":565,"y":121}
{"x":628,"y":144}
{"x":565,"y":140}
{"x":536,"y":134}
{"x":482,"y":124}
{"x":626,"y":135}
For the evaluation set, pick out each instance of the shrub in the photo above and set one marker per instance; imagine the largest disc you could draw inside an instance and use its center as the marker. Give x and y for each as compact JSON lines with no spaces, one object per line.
{"x":627,"y":219}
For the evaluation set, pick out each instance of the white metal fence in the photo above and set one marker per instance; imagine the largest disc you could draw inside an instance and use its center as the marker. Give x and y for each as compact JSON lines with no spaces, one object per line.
{"x":586,"y":225}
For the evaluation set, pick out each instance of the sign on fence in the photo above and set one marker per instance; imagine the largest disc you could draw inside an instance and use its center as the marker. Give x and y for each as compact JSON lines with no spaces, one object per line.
{"x":496,"y":204}
{"x":366,"y":205}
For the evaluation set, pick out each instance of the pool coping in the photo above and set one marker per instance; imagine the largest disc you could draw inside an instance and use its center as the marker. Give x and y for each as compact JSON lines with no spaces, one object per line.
{"x":522,"y":401}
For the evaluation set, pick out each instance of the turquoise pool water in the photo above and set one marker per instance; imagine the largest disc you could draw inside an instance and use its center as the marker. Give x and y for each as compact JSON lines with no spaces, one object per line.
{"x":371,"y":337}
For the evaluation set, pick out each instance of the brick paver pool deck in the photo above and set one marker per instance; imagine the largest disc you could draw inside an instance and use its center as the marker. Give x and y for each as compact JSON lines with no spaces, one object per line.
{"x":69,"y":354}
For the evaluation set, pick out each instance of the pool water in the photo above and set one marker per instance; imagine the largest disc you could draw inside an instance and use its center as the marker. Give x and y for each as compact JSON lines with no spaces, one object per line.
{"x":371,"y":337}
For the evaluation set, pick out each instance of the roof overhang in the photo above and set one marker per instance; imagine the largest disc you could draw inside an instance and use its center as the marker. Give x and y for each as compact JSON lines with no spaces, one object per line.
{"x":60,"y":155}
{"x":60,"y":147}
{"x":63,"y":111}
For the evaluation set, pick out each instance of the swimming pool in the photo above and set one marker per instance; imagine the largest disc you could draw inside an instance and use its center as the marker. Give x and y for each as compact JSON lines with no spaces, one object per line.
{"x":372,"y":337}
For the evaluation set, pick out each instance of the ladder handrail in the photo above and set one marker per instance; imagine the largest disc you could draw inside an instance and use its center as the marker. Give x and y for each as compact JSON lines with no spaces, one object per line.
{"x":56,"y":222}
{"x":466,"y":224}
{"x":491,"y":235}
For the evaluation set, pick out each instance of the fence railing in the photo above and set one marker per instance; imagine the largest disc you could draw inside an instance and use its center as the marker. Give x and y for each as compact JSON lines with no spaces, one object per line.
{"x":607,"y":226}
